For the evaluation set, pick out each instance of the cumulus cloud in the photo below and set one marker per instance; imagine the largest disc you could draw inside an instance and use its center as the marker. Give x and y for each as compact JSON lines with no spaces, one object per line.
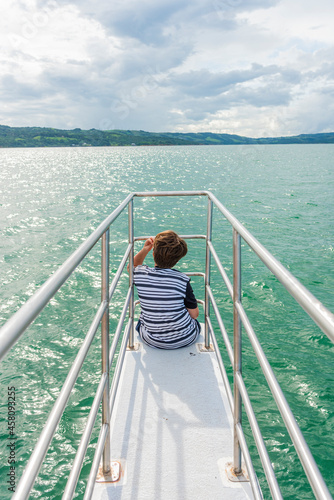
{"x":203,"y":83}
{"x":258,"y":68}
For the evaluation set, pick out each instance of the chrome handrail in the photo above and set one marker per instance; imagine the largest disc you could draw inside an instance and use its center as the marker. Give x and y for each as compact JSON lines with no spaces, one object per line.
{"x":314,"y":308}
{"x":18,"y":323}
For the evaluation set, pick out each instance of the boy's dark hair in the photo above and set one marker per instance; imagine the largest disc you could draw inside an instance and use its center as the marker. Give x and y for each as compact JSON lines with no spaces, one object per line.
{"x":168,"y":249}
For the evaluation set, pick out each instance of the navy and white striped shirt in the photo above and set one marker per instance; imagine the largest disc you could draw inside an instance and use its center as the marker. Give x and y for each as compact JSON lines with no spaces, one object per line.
{"x":164,"y":321}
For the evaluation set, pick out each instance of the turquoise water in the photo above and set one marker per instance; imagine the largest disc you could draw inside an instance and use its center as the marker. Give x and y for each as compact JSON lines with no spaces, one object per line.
{"x":52,"y":199}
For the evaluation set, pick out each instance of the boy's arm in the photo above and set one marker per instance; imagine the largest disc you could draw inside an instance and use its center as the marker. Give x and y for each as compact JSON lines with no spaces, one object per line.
{"x":140,"y":256}
{"x":190,"y":302}
{"x":194,"y":313}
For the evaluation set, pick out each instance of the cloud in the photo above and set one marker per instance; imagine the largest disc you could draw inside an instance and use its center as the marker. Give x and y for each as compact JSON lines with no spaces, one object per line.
{"x":217,"y":65}
{"x":204,"y":83}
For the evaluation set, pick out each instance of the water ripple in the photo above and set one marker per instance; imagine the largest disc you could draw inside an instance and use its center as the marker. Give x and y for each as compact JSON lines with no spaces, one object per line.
{"x":52,"y":199}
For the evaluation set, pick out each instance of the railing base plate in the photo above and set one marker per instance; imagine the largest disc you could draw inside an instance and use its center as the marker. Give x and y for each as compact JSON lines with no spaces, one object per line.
{"x":136,"y":347}
{"x":202,"y":348}
{"x":236,"y":478}
{"x":113,"y":476}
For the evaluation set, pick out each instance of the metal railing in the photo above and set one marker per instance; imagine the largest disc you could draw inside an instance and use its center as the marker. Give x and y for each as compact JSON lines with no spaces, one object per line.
{"x":14,"y":328}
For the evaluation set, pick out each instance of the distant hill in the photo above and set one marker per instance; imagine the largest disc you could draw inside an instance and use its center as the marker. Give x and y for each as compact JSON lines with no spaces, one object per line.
{"x":15,"y":137}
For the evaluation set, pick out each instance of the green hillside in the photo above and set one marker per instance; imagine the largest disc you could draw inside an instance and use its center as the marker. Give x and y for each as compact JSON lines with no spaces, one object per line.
{"x":14,"y":137}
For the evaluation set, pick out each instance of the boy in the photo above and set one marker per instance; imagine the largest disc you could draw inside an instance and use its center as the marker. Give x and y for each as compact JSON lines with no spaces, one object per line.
{"x":168,"y":305}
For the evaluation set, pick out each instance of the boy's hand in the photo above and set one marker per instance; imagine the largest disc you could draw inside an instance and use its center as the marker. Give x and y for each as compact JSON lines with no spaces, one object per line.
{"x":148,"y":245}
{"x":140,"y":256}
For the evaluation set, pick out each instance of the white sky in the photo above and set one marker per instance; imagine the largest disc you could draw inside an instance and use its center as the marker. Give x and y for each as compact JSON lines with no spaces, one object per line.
{"x":254,"y":68}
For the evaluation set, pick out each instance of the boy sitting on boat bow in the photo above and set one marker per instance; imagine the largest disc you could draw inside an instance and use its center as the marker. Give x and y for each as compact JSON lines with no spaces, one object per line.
{"x":168,"y":304}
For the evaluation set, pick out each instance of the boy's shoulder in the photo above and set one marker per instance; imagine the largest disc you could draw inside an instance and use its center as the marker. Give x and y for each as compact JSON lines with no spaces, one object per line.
{"x":180,"y":273}
{"x":175,"y":273}
{"x":163,"y":271}
{"x":141,"y":268}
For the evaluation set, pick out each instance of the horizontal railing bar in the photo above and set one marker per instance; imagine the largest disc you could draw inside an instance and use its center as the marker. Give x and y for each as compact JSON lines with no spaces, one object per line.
{"x":260,"y":444}
{"x":195,"y":274}
{"x":315,"y":309}
{"x":310,"y":467}
{"x":183,"y":236}
{"x":96,"y":462}
{"x":222,"y":368}
{"x":119,"y":327}
{"x":221,"y":326}
{"x":82,"y":449}
{"x":119,"y":272}
{"x":150,"y":194}
{"x":221,"y":269}
{"x":118,"y":367}
{"x":250,"y":468}
{"x":17,"y":324}
{"x":37,"y":457}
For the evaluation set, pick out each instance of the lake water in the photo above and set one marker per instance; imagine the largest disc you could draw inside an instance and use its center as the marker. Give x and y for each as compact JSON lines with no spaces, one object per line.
{"x":52,"y":199}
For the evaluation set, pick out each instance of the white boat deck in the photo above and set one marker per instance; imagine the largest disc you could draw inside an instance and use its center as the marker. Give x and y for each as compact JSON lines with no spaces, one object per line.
{"x":171,"y":429}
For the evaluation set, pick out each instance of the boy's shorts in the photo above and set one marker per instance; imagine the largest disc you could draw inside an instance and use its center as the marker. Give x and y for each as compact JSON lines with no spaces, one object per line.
{"x":138,"y":330}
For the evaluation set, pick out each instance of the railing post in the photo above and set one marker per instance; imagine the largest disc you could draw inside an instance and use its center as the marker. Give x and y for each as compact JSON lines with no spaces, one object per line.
{"x":237,"y":347}
{"x":131,"y":305}
{"x":105,"y":347}
{"x":207,"y":275}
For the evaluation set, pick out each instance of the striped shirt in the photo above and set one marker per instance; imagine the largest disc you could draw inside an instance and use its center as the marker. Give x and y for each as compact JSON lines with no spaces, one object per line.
{"x":164,"y":321}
